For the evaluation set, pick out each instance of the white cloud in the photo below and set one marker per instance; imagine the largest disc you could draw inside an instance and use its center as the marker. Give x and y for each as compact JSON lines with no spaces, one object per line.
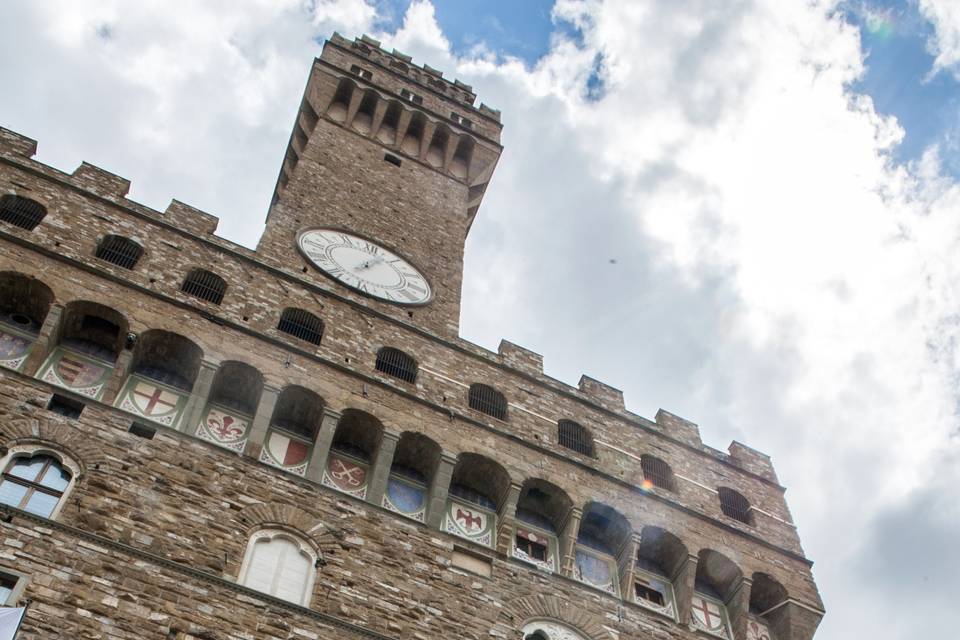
{"x":944,"y":16}
{"x":721,"y":231}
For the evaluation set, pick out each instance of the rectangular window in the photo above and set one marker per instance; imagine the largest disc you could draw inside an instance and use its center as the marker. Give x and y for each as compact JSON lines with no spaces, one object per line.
{"x":65,"y":406}
{"x":535,"y":550}
{"x":11,"y":586}
{"x":142,"y":431}
{"x":649,"y":594}
{"x":361,"y":72}
{"x":460,"y":120}
{"x":411,"y":96}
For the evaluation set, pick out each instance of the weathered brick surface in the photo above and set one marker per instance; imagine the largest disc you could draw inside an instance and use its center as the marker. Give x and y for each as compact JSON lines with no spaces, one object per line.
{"x":185,"y":508}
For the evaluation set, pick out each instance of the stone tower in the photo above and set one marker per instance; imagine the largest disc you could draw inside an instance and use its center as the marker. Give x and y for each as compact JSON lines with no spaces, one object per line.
{"x":200,"y":441}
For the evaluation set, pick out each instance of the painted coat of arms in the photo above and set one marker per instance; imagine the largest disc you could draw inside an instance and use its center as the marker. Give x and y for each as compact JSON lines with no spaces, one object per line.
{"x":152,"y":401}
{"x":14,"y":349}
{"x":224,"y":428}
{"x":76,"y":372}
{"x":285,"y":452}
{"x":471,"y":522}
{"x":756,"y":630}
{"x":596,"y":571}
{"x":405,"y":498}
{"x":347,"y":475}
{"x":708,"y":616}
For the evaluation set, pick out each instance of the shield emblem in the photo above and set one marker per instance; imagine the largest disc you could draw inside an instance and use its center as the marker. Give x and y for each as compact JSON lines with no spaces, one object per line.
{"x":593,"y":570}
{"x":287,"y":451}
{"x":78,"y":373}
{"x":223,"y":428}
{"x":346,"y":474}
{"x":707,"y":614}
{"x":757,"y":631}
{"x":12,"y":346}
{"x":471,"y":522}
{"x":151,"y":400}
{"x":406,"y":498}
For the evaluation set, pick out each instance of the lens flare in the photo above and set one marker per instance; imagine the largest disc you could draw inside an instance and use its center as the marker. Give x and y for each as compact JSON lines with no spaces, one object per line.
{"x":646,"y":485}
{"x":880,"y":26}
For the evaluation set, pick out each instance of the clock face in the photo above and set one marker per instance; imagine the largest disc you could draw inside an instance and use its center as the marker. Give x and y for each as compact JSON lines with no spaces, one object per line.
{"x":365,"y":266}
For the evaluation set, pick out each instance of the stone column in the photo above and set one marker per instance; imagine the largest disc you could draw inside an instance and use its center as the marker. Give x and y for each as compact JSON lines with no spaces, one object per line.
{"x":379,"y":471}
{"x":507,"y":519}
{"x":683,"y":582}
{"x":439,"y":487}
{"x":626,"y":566}
{"x":120,"y":370}
{"x":261,"y":421}
{"x":738,"y":606}
{"x":568,"y":542}
{"x":321,"y":444}
{"x":46,"y":340}
{"x":192,"y":413}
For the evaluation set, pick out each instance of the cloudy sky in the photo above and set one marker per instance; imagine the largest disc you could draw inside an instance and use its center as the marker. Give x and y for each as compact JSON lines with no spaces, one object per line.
{"x":746,"y":212}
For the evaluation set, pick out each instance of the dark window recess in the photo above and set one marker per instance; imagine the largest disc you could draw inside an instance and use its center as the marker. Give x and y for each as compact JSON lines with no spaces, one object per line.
{"x":302,"y":325}
{"x":65,"y":406}
{"x":460,"y":120}
{"x":535,"y":550}
{"x":120,"y":251}
{"x":657,"y":472}
{"x":396,"y":363}
{"x":21,"y":212}
{"x":392,"y":159}
{"x":204,"y":285}
{"x":142,"y":431}
{"x":8,"y":583}
{"x":649,"y":594}
{"x":575,"y":437}
{"x":488,"y":400}
{"x":361,"y":72}
{"x":411,"y":96}
{"x":734,"y":505}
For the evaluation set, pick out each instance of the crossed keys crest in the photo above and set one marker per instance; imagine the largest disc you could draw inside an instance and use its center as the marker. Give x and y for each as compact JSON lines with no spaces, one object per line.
{"x":346,"y":475}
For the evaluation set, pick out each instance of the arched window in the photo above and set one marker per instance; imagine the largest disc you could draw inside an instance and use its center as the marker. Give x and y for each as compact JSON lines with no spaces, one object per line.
{"x":542,"y":510}
{"x":293,"y":426}
{"x":766,"y":594}
{"x":550,"y":630}
{"x":659,"y":555}
{"x":205,"y":285}
{"x":120,"y":251}
{"x":34,"y":481}
{"x":396,"y":363}
{"x":715,"y":584}
{"x":280,"y":564}
{"x":657,"y":472}
{"x":24,"y":303}
{"x":234,"y":396}
{"x":354,"y":446}
{"x":734,"y":505}
{"x":488,"y":400}
{"x":414,"y":463}
{"x":165,"y":366}
{"x":21,"y":212}
{"x":575,"y":437}
{"x":302,"y":325}
{"x":477,"y":489}
{"x":603,"y":534}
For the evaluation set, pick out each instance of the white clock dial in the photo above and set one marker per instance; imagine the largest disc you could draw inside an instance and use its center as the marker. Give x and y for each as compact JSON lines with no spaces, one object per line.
{"x":365,"y":266}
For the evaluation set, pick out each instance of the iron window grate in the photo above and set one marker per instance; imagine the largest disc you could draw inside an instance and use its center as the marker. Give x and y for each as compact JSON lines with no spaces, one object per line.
{"x":657,"y":472}
{"x":488,"y":400}
{"x":734,"y":505}
{"x":21,"y":212}
{"x":120,"y":251}
{"x":575,"y":437}
{"x":302,"y":325}
{"x":204,"y":285}
{"x":396,"y":363}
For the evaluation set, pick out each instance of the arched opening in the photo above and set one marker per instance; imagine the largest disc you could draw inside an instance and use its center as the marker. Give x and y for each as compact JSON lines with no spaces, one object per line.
{"x":24,"y":304}
{"x":716,"y":580}
{"x":735,"y":505}
{"x":574,"y":436}
{"x":231,"y":405}
{"x":123,"y":252}
{"x":293,"y":430}
{"x":414,"y":463}
{"x":301,"y":324}
{"x":657,"y":473}
{"x":204,"y":285}
{"x":21,"y":212}
{"x":165,"y":366}
{"x":35,"y":481}
{"x":460,"y":167}
{"x":602,"y":538}
{"x":478,"y":488}
{"x":91,"y":338}
{"x":542,"y":512}
{"x":354,"y":447}
{"x":488,"y":400}
{"x":437,"y":150}
{"x":341,"y":101}
{"x":766,"y":596}
{"x":281,"y":564}
{"x":397,"y":364}
{"x":413,"y":136}
{"x":387,"y":134}
{"x":660,"y":556}
{"x":550,"y":630}
{"x":363,"y":118}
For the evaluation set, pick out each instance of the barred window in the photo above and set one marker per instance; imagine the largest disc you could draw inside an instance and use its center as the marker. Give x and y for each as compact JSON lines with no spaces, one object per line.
{"x":488,"y":400}
{"x":396,"y":363}
{"x":120,"y":251}
{"x":205,"y":285}
{"x":21,"y":212}
{"x":302,"y":325}
{"x":657,"y":472}
{"x":575,"y":437}
{"x":734,"y":505}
